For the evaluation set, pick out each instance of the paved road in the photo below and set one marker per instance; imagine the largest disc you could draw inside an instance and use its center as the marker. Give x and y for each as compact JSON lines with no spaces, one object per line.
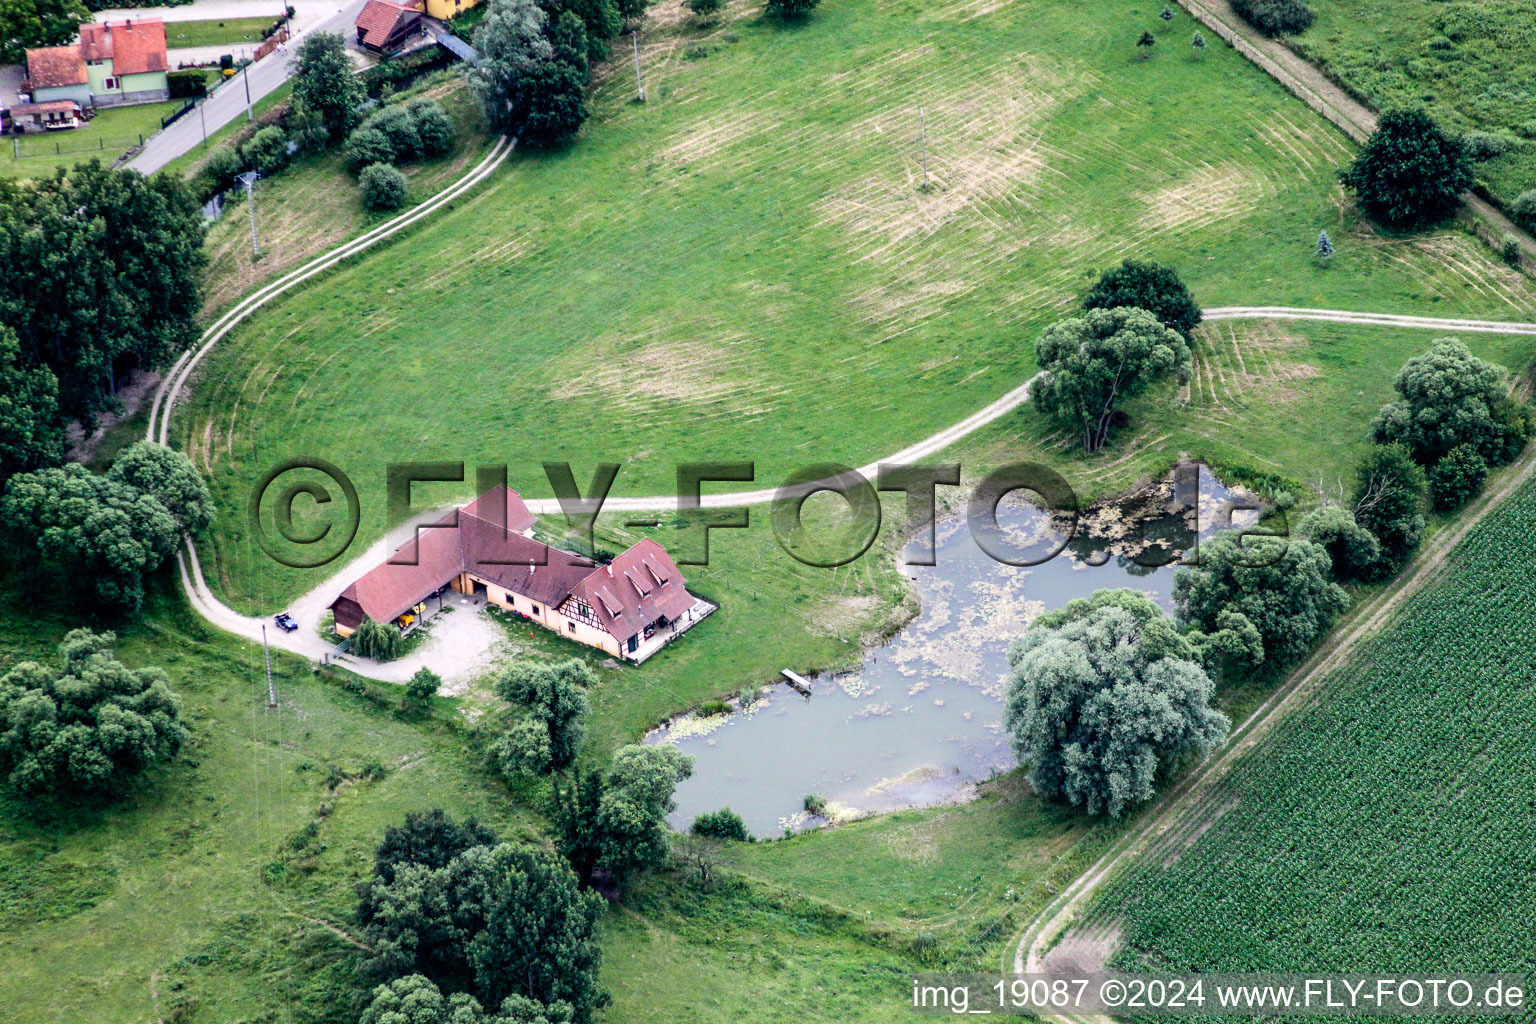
{"x":227,"y":103}
{"x":305,"y":12}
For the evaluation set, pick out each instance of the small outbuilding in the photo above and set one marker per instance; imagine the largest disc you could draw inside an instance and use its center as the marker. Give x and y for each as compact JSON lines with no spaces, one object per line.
{"x":384,"y":26}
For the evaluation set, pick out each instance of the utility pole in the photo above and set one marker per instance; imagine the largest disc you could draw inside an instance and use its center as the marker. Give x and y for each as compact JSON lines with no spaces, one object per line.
{"x":271,"y":690}
{"x":245,"y":73}
{"x":248,"y":179}
{"x":634,"y":37}
{"x":922,"y":120}
{"x":204,"y":118}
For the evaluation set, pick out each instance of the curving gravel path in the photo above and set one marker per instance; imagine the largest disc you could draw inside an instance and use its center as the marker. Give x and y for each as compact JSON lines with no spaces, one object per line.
{"x":310,"y":608}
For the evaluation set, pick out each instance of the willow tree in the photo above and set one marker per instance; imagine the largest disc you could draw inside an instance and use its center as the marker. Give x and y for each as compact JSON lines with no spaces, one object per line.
{"x":1092,"y":364}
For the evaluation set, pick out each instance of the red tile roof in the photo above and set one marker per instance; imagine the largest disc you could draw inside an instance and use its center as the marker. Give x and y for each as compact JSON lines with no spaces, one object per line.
{"x":378,"y":19}
{"x":638,"y":587}
{"x":52,"y":67}
{"x":501,"y":507}
{"x":95,"y":43}
{"x":136,"y":47}
{"x":635,"y":589}
{"x":428,"y":561}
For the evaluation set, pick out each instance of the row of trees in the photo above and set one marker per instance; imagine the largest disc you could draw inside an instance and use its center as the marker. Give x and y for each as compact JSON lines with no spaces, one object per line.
{"x":611,"y":820}
{"x":465,"y":928}
{"x":505,"y":925}
{"x":1108,"y":696}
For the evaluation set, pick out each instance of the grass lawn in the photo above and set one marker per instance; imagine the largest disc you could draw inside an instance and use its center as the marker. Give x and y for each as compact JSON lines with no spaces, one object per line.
{"x":212,"y":32}
{"x":1469,"y":62}
{"x":189,"y":900}
{"x":1292,"y":398}
{"x":748,"y":267}
{"x":315,"y":204}
{"x":105,"y":137}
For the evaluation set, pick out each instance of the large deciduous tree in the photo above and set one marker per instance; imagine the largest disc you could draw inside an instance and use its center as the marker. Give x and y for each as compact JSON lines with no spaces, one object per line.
{"x":1448,"y":397}
{"x":1283,"y":588}
{"x":533,"y":71}
{"x":1410,"y":173}
{"x":1149,"y":286}
{"x":168,"y":476}
{"x":87,"y":726}
{"x":1092,"y":365}
{"x":555,"y":695}
{"x":326,"y":84}
{"x":501,"y":922}
{"x":1389,"y":499}
{"x":1105,"y":700}
{"x":616,"y":821}
{"x":74,"y":531}
{"x":28,"y":23}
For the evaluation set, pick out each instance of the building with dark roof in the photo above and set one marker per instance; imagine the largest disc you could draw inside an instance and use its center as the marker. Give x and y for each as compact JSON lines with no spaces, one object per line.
{"x":631,"y":607}
{"x":384,"y":26}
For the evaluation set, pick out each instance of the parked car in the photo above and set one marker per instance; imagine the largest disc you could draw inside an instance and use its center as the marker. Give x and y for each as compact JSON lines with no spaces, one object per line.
{"x":285,"y":622}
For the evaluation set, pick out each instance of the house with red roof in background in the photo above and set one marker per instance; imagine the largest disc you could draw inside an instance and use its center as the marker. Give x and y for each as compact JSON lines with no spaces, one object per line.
{"x":630,"y":608}
{"x":114,"y":63}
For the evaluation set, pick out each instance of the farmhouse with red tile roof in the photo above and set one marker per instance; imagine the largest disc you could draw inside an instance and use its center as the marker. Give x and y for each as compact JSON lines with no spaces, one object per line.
{"x":114,"y":63}
{"x":630,"y":608}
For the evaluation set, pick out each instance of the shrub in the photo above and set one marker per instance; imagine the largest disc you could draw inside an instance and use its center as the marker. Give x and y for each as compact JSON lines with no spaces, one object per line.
{"x":1457,"y":477}
{"x":1485,"y":145}
{"x":267,"y":151}
{"x":790,"y":10}
{"x":421,"y":689}
{"x":396,"y":124}
{"x":722,"y":824}
{"x":816,"y":804}
{"x":710,"y":708}
{"x":1523,"y":209}
{"x":1149,"y":286}
{"x":378,"y":641}
{"x":218,"y":172}
{"x":1410,"y":173}
{"x":704,"y":8}
{"x":366,"y":147}
{"x":434,"y":128}
{"x":1274,"y":17}
{"x":1509,"y":249}
{"x":187,"y":84}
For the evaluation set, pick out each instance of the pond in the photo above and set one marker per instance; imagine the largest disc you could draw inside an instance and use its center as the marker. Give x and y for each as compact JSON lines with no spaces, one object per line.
{"x":921,"y":721}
